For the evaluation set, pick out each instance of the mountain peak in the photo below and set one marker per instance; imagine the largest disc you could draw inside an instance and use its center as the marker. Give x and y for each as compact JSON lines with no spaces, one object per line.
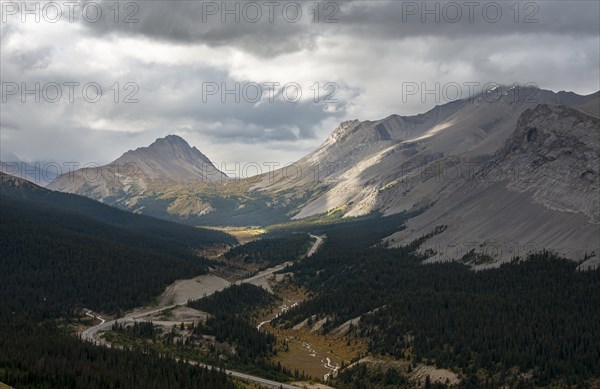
{"x":169,"y":141}
{"x":170,"y":146}
{"x":172,"y":159}
{"x":167,"y":161}
{"x":172,"y":140}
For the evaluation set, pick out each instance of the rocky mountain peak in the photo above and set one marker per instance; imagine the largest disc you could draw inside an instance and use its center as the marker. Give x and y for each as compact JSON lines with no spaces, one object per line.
{"x":171,"y":140}
{"x":342,"y":130}
{"x":171,"y":159}
{"x":172,"y":147}
{"x":167,"y":161}
{"x":540,"y":190}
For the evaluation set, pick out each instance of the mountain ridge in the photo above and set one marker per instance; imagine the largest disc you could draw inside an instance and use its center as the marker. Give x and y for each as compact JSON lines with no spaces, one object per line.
{"x":468,"y":130}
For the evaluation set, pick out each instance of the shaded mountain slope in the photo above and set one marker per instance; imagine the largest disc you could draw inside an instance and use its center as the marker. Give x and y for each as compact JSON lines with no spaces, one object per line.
{"x":62,"y":251}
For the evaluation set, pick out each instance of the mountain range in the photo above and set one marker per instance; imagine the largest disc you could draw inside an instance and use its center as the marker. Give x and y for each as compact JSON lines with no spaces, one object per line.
{"x":499,"y":174}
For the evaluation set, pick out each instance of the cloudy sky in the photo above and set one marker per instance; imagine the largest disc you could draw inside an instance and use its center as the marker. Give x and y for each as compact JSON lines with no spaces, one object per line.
{"x":265,"y":81}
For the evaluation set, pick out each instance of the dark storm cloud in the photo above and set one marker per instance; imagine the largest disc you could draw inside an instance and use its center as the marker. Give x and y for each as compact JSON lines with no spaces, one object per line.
{"x":267,"y":33}
{"x":199,"y":22}
{"x":402,"y":19}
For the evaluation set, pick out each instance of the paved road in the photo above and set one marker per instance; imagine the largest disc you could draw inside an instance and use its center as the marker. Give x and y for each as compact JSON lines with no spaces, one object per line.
{"x":319,"y":241}
{"x":251,"y":378}
{"x":264,"y":273}
{"x":90,"y":333}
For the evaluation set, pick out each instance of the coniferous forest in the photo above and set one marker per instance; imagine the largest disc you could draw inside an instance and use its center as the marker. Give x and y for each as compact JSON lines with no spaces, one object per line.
{"x":43,"y":356}
{"x":271,"y":251}
{"x":539,"y":316}
{"x":61,"y":253}
{"x":241,"y":300}
{"x":231,"y":313}
{"x":231,"y":310}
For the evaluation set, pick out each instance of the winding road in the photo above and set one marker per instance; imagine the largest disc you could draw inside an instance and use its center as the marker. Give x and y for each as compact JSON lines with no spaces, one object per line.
{"x":140,"y":315}
{"x":90,"y":335}
{"x":319,"y":241}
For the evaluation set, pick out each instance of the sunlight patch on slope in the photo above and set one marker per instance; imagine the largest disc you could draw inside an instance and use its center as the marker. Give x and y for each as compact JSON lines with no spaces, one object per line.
{"x":440,"y":127}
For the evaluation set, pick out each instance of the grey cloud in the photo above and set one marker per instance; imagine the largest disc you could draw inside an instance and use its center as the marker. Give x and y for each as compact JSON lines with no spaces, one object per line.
{"x":183,"y":22}
{"x":190,"y":22}
{"x":450,"y":19}
{"x":32,"y":60}
{"x":174,"y":93}
{"x":170,"y":97}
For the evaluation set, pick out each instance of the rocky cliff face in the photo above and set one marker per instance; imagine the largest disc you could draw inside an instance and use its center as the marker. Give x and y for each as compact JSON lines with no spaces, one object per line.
{"x":541,"y":190}
{"x":555,"y":153}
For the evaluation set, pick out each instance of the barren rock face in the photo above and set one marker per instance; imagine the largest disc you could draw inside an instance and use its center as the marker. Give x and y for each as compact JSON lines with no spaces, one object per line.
{"x":540,"y":191}
{"x":555,"y":152}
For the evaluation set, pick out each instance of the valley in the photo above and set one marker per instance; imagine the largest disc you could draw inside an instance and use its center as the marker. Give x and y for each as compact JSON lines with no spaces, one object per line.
{"x":383,"y":271}
{"x":327,"y":321}
{"x":171,"y":311}
{"x":300,"y":195}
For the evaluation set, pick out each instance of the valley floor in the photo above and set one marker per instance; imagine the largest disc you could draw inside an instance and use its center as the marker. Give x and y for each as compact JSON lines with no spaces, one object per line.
{"x":172,"y":311}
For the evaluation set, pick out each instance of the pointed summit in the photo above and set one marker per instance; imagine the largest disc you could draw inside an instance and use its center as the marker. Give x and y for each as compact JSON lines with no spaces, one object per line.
{"x":172,"y":140}
{"x":171,"y":160}
{"x":167,"y":161}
